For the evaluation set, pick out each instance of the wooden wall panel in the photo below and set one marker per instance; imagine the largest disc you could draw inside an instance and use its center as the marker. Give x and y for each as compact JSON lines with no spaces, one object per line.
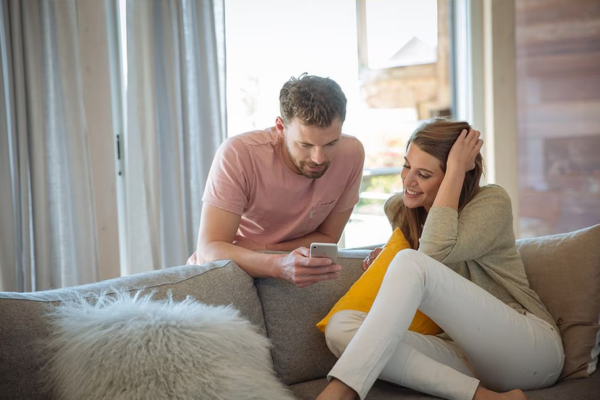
{"x":558,"y":85}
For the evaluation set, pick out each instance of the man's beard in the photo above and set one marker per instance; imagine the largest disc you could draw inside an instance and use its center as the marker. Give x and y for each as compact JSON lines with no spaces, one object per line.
{"x":302,"y":166}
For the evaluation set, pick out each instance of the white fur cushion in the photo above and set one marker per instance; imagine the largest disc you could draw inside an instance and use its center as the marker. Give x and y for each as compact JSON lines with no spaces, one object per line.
{"x":132,"y":348}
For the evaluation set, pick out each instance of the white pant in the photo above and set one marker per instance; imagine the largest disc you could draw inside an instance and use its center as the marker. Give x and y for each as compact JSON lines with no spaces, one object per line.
{"x":493,"y":342}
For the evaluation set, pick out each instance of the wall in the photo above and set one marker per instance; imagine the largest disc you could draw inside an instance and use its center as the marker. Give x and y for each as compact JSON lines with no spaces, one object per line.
{"x":558,"y":86}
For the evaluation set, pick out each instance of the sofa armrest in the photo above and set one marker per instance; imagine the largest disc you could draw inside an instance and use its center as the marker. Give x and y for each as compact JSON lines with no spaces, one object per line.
{"x":353,"y":253}
{"x":370,"y":247}
{"x":28,"y":325}
{"x":344,"y":255}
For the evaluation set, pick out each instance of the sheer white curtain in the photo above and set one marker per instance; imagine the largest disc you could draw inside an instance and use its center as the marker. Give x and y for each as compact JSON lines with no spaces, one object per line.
{"x":58,"y":207}
{"x":48,"y":214}
{"x":175,"y":111}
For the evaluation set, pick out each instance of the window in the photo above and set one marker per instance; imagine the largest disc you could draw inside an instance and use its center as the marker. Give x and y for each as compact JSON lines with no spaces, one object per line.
{"x":394,"y":72}
{"x":392,"y":37}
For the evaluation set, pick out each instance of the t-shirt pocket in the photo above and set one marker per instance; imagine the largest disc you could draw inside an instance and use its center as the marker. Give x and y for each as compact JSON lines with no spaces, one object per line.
{"x":318,"y":214}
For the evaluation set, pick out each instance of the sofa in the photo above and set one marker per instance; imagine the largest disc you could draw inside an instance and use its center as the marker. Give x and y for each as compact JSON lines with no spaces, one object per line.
{"x":557,"y":265}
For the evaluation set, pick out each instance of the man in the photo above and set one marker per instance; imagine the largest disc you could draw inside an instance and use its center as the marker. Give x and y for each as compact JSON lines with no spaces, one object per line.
{"x":284,"y":187}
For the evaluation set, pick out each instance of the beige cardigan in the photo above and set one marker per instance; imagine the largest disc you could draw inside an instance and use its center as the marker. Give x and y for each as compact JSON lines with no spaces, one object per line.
{"x":479,"y":244}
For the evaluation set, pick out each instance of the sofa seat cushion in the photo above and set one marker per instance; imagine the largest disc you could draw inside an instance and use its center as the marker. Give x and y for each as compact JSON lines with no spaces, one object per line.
{"x":131,"y":347}
{"x":24,"y":327}
{"x":381,"y":391}
{"x":564,"y":270}
{"x":571,"y":389}
{"x":578,"y":389}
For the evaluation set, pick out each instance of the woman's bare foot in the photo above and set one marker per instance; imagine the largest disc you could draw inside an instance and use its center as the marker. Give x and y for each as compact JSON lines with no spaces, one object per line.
{"x":485,"y":394}
{"x":337,"y":390}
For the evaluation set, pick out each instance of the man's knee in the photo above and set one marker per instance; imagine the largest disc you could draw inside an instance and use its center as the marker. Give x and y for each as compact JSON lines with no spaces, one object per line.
{"x":341,"y":329}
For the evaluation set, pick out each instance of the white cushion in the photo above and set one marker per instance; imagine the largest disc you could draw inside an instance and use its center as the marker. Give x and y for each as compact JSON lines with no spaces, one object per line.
{"x":132,"y":347}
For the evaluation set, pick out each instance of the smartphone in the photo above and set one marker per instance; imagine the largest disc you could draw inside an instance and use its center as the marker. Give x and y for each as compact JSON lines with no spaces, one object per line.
{"x":328,"y":250}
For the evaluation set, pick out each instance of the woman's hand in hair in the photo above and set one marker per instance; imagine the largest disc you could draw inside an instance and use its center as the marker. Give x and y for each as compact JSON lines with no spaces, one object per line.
{"x":465,"y":149}
{"x":369,"y":260}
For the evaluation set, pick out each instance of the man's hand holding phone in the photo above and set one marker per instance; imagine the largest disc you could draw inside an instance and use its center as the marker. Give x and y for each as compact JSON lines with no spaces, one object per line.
{"x":302,"y":270}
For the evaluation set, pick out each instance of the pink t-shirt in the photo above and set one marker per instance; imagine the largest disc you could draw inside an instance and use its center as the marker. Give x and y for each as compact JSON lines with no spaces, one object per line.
{"x":248,"y":177}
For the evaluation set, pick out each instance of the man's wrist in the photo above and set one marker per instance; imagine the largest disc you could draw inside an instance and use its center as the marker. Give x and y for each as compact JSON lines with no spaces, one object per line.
{"x":275,"y":265}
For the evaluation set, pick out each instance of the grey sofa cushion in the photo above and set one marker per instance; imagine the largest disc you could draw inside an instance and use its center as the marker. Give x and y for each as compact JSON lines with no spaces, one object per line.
{"x":300,"y":353}
{"x":23,"y":326}
{"x":576,"y":389}
{"x":564,"y":270}
{"x":381,"y":391}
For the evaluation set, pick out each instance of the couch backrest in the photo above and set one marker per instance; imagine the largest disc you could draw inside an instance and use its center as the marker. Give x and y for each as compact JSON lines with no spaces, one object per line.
{"x":23,"y":325}
{"x":299,"y":350}
{"x":564,"y":270}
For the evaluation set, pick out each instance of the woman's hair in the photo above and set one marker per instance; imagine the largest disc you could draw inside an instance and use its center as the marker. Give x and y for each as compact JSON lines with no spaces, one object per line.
{"x":436,"y":137}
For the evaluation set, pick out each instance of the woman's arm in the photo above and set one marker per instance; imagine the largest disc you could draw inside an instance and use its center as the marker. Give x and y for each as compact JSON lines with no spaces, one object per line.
{"x":449,"y":239}
{"x":461,"y":160}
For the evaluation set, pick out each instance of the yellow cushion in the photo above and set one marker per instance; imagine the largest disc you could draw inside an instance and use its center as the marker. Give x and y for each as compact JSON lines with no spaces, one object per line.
{"x":362,"y":294}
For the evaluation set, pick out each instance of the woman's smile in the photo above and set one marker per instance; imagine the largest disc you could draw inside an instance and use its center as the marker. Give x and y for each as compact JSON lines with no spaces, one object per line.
{"x":412,"y":193}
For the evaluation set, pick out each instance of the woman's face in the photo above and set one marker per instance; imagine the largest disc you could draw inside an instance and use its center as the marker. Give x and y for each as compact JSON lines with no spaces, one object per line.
{"x":422,"y":176}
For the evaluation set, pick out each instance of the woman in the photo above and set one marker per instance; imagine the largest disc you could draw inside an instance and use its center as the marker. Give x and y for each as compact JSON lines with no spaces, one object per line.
{"x":466,"y":275}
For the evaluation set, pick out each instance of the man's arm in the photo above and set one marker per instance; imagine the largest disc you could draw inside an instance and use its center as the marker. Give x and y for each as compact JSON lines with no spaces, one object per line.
{"x":215,"y":242}
{"x":329,"y":231}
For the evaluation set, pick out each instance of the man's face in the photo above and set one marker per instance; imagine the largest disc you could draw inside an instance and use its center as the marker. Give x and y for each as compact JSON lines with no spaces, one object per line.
{"x":310,"y":149}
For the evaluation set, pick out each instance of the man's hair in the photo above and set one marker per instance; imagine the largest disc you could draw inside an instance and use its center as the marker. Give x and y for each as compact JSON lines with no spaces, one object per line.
{"x":312,"y":100}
